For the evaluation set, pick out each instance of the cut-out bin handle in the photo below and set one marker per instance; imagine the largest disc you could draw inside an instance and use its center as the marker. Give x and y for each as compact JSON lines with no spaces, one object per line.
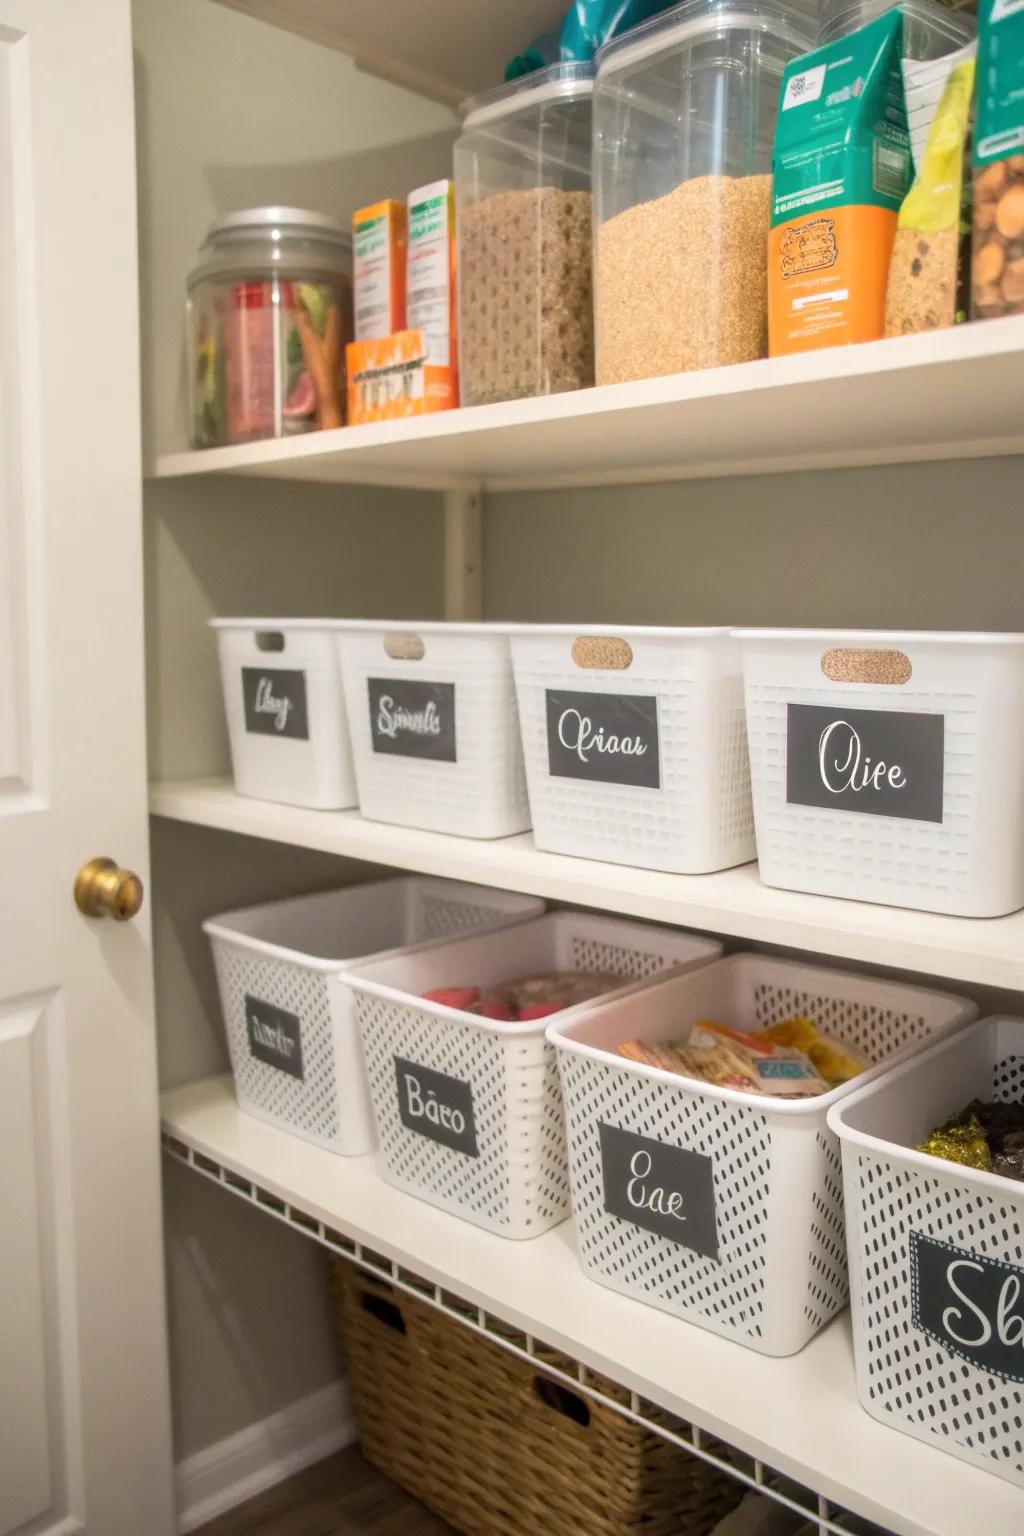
{"x":857,"y":665}
{"x":269,"y":640}
{"x":569,"y":1404}
{"x":602,"y":653}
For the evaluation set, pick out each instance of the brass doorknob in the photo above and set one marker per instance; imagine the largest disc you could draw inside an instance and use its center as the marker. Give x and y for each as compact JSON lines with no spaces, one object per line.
{"x":103,"y":889}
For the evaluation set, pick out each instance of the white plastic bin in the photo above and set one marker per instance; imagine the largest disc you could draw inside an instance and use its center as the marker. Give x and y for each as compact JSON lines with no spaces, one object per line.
{"x":292,"y":1037}
{"x":753,"y":1249}
{"x":934,"y":1248}
{"x":435,"y":734}
{"x":635,"y":745}
{"x":285,"y":710}
{"x":502,"y":1165}
{"x":889,"y":766}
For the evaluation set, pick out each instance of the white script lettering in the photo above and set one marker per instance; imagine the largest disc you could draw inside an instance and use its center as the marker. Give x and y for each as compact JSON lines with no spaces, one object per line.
{"x":392,"y":718}
{"x":268,"y":704}
{"x":576,"y":732}
{"x":272,"y":1036}
{"x":430,"y":1108}
{"x":1009,"y":1325}
{"x":850,"y":769}
{"x":657,"y":1199}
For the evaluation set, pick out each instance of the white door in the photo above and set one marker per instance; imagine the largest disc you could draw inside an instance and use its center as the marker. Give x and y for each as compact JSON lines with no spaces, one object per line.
{"x":84,"y":1418}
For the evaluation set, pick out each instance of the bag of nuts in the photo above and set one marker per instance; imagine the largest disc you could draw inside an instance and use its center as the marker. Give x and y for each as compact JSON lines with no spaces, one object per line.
{"x":997,"y":264}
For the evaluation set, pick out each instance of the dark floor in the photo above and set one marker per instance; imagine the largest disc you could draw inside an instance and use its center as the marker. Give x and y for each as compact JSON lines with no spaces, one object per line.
{"x":342,"y":1496}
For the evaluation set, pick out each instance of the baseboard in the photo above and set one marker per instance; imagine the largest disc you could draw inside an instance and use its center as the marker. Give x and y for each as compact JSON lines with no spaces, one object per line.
{"x":246,"y":1463}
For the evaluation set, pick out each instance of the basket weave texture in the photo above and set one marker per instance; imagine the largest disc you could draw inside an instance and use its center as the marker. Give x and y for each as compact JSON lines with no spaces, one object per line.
{"x":496,"y":1447}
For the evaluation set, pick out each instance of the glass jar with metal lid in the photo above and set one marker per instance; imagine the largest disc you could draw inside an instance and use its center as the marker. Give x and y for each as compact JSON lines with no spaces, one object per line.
{"x":269,"y":314}
{"x":523,"y":210}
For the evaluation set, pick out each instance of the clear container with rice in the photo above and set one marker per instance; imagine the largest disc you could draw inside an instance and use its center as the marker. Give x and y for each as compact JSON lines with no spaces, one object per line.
{"x":684,"y":119}
{"x":524,"y":213}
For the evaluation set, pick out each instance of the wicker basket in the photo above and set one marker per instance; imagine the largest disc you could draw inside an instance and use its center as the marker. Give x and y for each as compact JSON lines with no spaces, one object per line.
{"x":496,"y":1447}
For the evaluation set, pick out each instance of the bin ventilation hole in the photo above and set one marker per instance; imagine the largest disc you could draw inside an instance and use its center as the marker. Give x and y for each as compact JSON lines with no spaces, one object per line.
{"x":862,"y":666}
{"x":384,"y":1311}
{"x":269,"y":640}
{"x":569,"y":1404}
{"x":604,"y":653}
{"x":404,"y":647}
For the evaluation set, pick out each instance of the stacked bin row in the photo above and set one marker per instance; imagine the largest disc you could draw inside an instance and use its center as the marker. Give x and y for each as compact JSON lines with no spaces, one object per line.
{"x":884,"y":766}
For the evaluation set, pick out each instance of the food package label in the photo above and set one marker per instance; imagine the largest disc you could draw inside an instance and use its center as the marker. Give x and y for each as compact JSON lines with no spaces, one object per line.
{"x":391,"y":377}
{"x":841,"y":169}
{"x":999,"y":127}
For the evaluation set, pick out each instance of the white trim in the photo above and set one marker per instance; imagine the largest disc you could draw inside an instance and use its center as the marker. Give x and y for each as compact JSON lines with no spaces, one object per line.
{"x":244,"y":1464}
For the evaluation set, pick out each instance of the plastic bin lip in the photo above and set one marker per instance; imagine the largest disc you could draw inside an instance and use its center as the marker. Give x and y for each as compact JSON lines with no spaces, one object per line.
{"x":958,"y":26}
{"x":293,"y":623}
{"x":563,"y":1030}
{"x":566,"y":81}
{"x":886,"y":637}
{"x":422,"y":627}
{"x":513,"y":1028}
{"x":990,"y":1183}
{"x":218,"y":926}
{"x":626,"y":631}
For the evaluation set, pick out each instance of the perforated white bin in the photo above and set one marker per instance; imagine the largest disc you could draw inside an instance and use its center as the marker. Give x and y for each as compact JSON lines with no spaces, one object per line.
{"x":285,"y":710}
{"x":435,"y":734}
{"x":293,"y":1041}
{"x":635,"y":745}
{"x":889,"y":766}
{"x":937,"y":1254}
{"x":468,"y":1111}
{"x":722,"y":1207}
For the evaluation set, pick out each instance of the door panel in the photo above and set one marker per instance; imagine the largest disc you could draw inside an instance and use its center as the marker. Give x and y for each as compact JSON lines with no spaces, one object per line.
{"x":85,"y":1444}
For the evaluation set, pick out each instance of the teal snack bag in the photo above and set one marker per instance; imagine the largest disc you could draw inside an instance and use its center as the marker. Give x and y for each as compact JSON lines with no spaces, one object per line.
{"x":997,"y":261}
{"x":841,"y":168}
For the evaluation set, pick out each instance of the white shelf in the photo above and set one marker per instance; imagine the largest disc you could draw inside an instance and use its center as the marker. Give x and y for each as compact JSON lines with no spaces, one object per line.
{"x":981,"y":951}
{"x":404,"y":41}
{"x":946,"y":395}
{"x":800,"y":1415}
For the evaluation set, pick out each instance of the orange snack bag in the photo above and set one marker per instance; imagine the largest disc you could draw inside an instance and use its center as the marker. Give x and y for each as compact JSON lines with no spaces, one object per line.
{"x":390,"y":377}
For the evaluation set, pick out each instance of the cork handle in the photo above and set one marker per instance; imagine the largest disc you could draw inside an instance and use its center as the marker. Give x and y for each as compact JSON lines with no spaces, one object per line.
{"x":863,"y":666}
{"x":402,"y":647}
{"x":602,"y":653}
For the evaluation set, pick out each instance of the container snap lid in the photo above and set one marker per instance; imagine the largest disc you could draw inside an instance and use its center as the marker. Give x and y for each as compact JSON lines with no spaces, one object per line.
{"x":841,"y":17}
{"x":795,"y":19}
{"x":289,"y":220}
{"x":557,"y":82}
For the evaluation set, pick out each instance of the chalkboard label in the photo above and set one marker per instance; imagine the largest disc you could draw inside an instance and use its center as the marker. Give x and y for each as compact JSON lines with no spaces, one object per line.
{"x":611,"y":738}
{"x":664,"y":1189}
{"x":971,"y":1305}
{"x":412,"y":719}
{"x":875,"y":762}
{"x":275,"y":1036}
{"x":275,"y":702}
{"x":436,"y":1106}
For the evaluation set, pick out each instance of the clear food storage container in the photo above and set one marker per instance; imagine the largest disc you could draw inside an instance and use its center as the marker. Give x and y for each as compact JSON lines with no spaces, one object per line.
{"x":930,"y":29}
{"x":635,"y":744}
{"x":889,"y":765}
{"x":936,"y":1275}
{"x":718,"y":1205}
{"x":269,"y":314}
{"x":281,"y":681}
{"x":467,"y":1106}
{"x":292,"y":1036}
{"x":684,"y":120}
{"x":523,"y":209}
{"x":435,"y":733}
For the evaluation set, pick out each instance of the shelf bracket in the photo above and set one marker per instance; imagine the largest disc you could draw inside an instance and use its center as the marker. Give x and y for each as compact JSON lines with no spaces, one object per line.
{"x":463,"y":555}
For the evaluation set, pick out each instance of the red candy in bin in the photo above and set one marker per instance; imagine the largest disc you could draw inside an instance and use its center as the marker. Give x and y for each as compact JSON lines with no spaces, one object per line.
{"x":528,"y":997}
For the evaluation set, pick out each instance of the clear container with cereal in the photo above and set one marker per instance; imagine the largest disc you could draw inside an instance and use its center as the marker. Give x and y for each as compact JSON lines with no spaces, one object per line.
{"x":269,"y":313}
{"x":523,"y":209}
{"x":930,"y":28}
{"x":684,"y":121}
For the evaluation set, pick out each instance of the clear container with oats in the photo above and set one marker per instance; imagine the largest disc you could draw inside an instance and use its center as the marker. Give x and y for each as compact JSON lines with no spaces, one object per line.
{"x":684,"y":119}
{"x":523,"y":209}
